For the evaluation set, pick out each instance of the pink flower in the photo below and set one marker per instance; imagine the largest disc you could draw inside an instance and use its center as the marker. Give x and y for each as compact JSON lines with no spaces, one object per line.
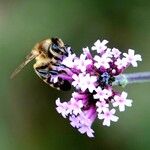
{"x":121,"y":63}
{"x":122,"y":101}
{"x":83,"y":122}
{"x":108,"y":116}
{"x":62,"y":108}
{"x":77,"y":80}
{"x":82,"y":63}
{"x":86,"y":119}
{"x":86,"y":129}
{"x":88,"y":83}
{"x":74,"y":121}
{"x":100,"y":46}
{"x":108,"y":53}
{"x":131,"y":58}
{"x":75,"y":106}
{"x":84,"y":82}
{"x":77,"y":95}
{"x":102,"y":94}
{"x":86,"y":52}
{"x":116,"y":53}
{"x":69,"y":61}
{"x":101,"y":62}
{"x":101,"y":106}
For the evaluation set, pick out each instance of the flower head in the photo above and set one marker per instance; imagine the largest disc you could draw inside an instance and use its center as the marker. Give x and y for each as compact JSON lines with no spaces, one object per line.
{"x":92,"y":78}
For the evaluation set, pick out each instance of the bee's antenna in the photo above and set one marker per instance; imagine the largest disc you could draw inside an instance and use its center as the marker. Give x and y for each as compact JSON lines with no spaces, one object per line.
{"x":29,"y":58}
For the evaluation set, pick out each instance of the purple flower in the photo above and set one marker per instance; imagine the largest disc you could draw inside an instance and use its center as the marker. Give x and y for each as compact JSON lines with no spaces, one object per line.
{"x":131,"y":58}
{"x":108,"y":115}
{"x":62,"y":108}
{"x":116,"y":53}
{"x":100,"y":46}
{"x":122,"y":101}
{"x":69,"y":61}
{"x":82,"y":63}
{"x":120,"y":63}
{"x":101,"y":106}
{"x":102,"y":61}
{"x":102,"y":94}
{"x":92,"y":78}
{"x":74,"y":107}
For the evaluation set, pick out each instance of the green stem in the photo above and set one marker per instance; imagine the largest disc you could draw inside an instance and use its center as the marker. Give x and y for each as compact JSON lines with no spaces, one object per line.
{"x":130,"y":78}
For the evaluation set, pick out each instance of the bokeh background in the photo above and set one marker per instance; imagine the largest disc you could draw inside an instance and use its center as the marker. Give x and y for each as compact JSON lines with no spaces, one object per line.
{"x":28,"y":119}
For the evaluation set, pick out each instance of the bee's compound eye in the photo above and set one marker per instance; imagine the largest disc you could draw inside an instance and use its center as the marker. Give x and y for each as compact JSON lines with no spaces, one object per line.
{"x":55,"y":47}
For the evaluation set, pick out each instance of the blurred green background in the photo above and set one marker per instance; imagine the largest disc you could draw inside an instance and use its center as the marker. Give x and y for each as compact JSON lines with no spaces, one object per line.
{"x":28,"y":119}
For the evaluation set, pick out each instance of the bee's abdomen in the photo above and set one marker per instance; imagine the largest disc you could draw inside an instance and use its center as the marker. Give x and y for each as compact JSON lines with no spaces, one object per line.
{"x":47,"y":74}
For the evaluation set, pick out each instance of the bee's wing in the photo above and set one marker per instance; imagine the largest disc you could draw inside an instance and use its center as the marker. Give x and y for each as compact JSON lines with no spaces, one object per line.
{"x":29,"y":58}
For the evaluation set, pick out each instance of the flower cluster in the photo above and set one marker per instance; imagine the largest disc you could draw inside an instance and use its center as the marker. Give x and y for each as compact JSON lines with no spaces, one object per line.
{"x":92,"y":78}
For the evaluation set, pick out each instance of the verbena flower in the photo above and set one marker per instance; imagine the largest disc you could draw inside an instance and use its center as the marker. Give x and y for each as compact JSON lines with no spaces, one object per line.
{"x":92,"y":78}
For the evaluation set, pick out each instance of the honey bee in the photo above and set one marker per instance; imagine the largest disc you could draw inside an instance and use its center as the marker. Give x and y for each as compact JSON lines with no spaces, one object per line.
{"x":48,"y":55}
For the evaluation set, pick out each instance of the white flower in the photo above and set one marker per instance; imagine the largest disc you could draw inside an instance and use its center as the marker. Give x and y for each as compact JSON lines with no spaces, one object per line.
{"x":79,"y":96}
{"x":84,"y":82}
{"x":116,"y":53}
{"x":120,"y":63}
{"x":62,"y":108}
{"x":75,"y":106}
{"x":102,"y":62}
{"x":77,"y":80}
{"x":86,"y":52}
{"x":69,"y":61}
{"x":88,"y":82}
{"x":131,"y":58}
{"x":82,"y":123}
{"x":82,"y":63}
{"x":107,"y":53}
{"x":122,"y":101}
{"x":74,"y":121}
{"x":86,"y":129}
{"x":101,"y":105}
{"x":100,"y":46}
{"x":85,"y":123}
{"x":102,"y":94}
{"x":108,"y":116}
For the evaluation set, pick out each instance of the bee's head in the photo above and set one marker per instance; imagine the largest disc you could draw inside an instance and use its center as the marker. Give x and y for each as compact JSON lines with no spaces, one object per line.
{"x":57,"y":46}
{"x":57,"y":43}
{"x":54,"y":44}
